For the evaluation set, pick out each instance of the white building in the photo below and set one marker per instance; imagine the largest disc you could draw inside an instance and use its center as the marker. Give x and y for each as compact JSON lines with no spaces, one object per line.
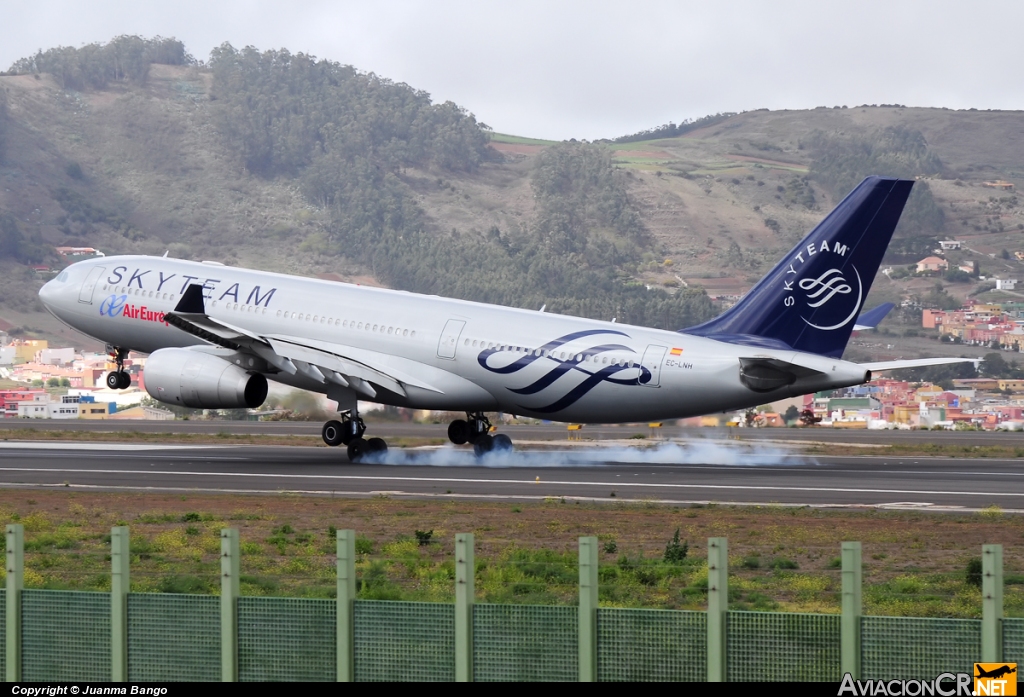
{"x":950,"y":244}
{"x":57,"y":356}
{"x":7,"y":355}
{"x":43,"y":406}
{"x":1006,"y":283}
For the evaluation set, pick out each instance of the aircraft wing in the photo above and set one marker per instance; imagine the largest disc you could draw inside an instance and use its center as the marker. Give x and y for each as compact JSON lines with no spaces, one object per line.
{"x":916,"y":363}
{"x":318,"y":360}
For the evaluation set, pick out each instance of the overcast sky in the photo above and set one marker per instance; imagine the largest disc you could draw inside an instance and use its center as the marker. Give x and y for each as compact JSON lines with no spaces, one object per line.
{"x":560,"y":69}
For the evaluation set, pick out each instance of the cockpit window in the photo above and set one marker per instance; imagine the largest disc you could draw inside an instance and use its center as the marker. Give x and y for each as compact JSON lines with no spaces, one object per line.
{"x":62,"y":277}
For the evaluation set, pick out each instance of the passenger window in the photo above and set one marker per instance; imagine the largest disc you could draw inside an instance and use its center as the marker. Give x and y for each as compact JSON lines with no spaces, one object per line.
{"x":412,"y":334}
{"x":405,"y":332}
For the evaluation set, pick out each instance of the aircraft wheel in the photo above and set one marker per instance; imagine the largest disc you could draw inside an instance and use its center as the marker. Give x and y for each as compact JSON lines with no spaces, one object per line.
{"x":376,"y":446}
{"x":483,"y":444}
{"x":458,"y":432}
{"x":332,"y":433}
{"x":114,"y":380}
{"x":126,"y":380}
{"x":357,"y":448}
{"x":502,"y":443}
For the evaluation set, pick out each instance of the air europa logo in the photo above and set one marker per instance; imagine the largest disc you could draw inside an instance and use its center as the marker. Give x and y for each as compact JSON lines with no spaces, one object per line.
{"x":117,"y":306}
{"x":829,"y":289}
{"x":113,"y":306}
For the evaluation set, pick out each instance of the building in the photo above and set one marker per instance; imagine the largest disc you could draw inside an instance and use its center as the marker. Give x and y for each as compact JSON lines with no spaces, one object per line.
{"x":1006,"y":283}
{"x":89,"y":408}
{"x":56,"y":356}
{"x":11,"y":400}
{"x":950,"y":244}
{"x":932,"y":265}
{"x":999,"y":184}
{"x":25,"y":351}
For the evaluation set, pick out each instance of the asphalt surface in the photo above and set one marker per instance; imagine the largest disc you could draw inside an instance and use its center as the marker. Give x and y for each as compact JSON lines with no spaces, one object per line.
{"x":551,"y":431}
{"x":699,"y":472}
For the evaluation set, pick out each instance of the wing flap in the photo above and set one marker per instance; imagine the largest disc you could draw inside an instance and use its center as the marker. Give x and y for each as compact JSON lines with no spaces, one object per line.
{"x":916,"y":363}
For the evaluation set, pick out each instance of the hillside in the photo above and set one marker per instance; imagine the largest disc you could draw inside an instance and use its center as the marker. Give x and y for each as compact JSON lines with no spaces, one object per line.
{"x":268,"y":161}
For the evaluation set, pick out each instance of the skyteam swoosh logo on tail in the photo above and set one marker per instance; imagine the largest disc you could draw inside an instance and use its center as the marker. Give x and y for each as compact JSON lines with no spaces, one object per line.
{"x":569,"y":361}
{"x":821,"y":291}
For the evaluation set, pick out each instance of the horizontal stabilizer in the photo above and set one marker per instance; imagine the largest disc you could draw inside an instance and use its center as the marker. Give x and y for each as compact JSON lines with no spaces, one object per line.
{"x":916,"y":363}
{"x":869,"y":319}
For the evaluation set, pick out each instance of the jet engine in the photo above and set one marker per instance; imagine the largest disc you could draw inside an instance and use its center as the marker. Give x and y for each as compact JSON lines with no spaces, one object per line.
{"x":193,"y":379}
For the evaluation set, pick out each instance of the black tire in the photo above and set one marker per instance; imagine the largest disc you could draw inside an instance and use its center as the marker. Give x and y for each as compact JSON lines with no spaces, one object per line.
{"x":484,"y":444}
{"x":377,"y":446}
{"x":126,"y":380}
{"x":458,"y":432}
{"x":357,"y":449}
{"x":332,"y":433}
{"x":502,"y":444}
{"x":114,"y":380}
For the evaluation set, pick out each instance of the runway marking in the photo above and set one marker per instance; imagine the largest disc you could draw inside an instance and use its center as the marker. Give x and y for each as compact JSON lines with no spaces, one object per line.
{"x":939,"y":508}
{"x":454,"y":480}
{"x":72,"y":445}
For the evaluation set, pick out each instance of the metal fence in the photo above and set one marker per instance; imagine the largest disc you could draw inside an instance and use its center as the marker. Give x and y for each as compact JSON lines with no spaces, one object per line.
{"x":74,"y":635}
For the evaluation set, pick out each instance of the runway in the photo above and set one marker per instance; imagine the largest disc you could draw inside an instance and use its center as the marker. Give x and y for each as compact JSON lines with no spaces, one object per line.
{"x":682,"y":474}
{"x":520,"y":432}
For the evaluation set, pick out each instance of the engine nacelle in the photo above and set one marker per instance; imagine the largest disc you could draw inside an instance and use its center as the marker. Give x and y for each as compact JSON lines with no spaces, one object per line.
{"x":187,"y":378}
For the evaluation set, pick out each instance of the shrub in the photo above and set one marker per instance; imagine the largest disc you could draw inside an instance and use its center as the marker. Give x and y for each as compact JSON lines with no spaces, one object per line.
{"x":423,"y":537}
{"x":674,"y":551}
{"x":974,"y":572}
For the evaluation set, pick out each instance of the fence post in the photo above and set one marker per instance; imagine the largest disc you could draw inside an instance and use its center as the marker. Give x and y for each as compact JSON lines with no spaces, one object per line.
{"x":588,"y":610}
{"x":465,"y":592}
{"x":230,"y":569}
{"x":718,"y":607}
{"x":849,"y":651}
{"x":992,"y":603}
{"x":15,"y":581}
{"x":346,"y":609}
{"x":120,"y":584}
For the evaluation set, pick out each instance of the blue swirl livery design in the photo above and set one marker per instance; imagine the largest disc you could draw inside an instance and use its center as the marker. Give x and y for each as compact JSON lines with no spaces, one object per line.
{"x":561,"y":361}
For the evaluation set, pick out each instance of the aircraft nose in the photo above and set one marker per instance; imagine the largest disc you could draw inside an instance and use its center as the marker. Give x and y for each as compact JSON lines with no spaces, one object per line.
{"x":49,"y":293}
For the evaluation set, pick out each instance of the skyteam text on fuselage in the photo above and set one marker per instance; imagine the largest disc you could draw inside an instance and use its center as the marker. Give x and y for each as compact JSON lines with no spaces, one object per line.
{"x":216,"y":334}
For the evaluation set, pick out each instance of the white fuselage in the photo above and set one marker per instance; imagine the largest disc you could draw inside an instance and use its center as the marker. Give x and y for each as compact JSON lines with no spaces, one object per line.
{"x":477,"y":357}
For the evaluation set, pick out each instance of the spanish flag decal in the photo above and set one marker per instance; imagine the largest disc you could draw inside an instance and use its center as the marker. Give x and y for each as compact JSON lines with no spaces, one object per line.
{"x":676,"y":352}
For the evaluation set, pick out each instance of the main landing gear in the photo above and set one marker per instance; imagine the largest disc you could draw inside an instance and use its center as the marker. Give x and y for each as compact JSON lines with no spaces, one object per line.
{"x":119,"y":379}
{"x":349,"y":431}
{"x":476,"y":429}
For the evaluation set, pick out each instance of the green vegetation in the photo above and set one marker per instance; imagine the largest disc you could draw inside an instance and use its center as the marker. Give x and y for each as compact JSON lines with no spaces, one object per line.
{"x":671,"y":130}
{"x":15,"y":245}
{"x":840,"y":162}
{"x":3,"y":124}
{"x":349,"y":136}
{"x":81,"y":215}
{"x":123,"y":59}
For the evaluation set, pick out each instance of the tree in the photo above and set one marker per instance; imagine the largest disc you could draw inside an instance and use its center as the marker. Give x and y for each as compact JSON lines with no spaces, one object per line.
{"x":792,"y":414}
{"x":53,"y":382}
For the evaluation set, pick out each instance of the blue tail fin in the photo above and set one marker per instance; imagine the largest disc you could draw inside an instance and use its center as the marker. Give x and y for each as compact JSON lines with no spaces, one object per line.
{"x":810,"y":301}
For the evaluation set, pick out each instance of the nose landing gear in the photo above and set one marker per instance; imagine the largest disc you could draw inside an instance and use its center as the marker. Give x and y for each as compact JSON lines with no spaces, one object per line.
{"x":118,"y":379}
{"x":349,"y":432}
{"x":476,"y":429}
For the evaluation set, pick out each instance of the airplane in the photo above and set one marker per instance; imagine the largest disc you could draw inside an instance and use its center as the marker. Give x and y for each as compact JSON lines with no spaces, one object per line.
{"x":216,"y":334}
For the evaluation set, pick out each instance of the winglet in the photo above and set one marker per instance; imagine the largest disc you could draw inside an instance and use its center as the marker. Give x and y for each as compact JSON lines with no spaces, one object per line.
{"x":191,"y":302}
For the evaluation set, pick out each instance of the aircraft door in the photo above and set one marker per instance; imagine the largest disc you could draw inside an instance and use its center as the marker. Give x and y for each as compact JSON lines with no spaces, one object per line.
{"x":85,"y":295}
{"x":653,"y":357}
{"x":450,"y":338}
